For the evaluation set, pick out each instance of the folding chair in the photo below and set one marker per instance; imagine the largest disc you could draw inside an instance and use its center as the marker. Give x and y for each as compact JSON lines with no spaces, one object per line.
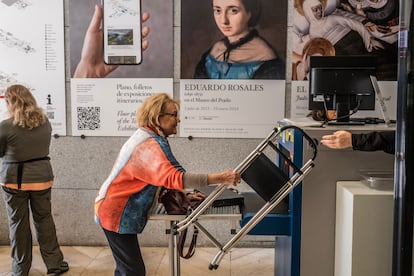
{"x":271,"y":182}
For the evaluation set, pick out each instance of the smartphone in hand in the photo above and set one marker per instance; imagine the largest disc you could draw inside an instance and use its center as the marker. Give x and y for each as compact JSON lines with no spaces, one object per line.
{"x":122,"y":32}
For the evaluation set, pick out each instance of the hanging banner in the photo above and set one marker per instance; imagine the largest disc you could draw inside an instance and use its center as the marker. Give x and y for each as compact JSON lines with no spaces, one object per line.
{"x":105,"y":97}
{"x":345,"y":28}
{"x":32,"y":54}
{"x":115,"y":113}
{"x":231,"y":108}
{"x":233,"y":58}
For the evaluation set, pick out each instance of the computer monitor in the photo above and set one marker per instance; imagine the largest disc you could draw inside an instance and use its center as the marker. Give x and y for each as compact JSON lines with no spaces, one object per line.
{"x":342,"y":83}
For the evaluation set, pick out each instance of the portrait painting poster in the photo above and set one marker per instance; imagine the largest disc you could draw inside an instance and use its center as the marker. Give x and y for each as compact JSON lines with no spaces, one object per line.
{"x":128,"y":85}
{"x":344,"y":28}
{"x":32,"y":54}
{"x":222,"y":105}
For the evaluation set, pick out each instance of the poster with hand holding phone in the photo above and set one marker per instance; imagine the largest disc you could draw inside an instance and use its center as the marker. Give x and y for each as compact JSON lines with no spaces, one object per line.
{"x":112,"y":73}
{"x":122,"y":31}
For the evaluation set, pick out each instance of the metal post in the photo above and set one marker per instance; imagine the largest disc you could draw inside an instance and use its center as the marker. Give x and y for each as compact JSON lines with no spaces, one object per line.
{"x":404,"y":148}
{"x":172,"y":247}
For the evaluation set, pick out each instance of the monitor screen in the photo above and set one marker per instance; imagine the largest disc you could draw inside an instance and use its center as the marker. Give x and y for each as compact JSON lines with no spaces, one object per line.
{"x":342,"y":82}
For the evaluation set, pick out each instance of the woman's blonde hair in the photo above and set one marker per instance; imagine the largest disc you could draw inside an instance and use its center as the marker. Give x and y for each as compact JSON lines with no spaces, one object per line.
{"x":23,"y":107}
{"x":152,"y":108}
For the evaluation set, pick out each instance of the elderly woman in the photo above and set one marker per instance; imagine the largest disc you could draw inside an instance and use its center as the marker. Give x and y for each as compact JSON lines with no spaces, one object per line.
{"x":145,"y":163}
{"x":242,"y":53}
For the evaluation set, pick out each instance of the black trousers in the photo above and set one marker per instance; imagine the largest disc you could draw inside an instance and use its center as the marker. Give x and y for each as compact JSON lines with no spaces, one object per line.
{"x":127,"y":254}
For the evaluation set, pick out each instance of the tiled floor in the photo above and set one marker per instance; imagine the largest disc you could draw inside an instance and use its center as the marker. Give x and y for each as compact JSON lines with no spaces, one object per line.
{"x":93,"y":261}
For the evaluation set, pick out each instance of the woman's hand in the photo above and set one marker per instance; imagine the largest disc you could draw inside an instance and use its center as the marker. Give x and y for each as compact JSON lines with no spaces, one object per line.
{"x":226,"y":177}
{"x":196,"y":196}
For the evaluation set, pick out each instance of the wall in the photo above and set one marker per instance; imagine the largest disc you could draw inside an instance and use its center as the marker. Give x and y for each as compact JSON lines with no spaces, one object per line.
{"x":319,"y":197}
{"x":81,"y":165}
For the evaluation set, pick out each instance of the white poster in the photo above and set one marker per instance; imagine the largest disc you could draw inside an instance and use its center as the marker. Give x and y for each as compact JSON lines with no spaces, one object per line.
{"x":230,"y":108}
{"x":105,"y":96}
{"x":107,"y":107}
{"x":32,"y":54}
{"x":233,"y":75}
{"x":300,"y":101}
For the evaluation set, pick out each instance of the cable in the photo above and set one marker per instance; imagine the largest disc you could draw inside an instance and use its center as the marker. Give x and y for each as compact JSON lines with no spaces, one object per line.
{"x":355,"y":110}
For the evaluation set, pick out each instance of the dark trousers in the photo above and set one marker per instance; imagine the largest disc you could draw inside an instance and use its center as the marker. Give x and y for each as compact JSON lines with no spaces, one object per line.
{"x":127,"y":254}
{"x":17,"y":204}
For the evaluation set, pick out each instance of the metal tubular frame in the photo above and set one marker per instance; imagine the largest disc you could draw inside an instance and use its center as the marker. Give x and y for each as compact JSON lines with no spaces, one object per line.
{"x":297,"y":177}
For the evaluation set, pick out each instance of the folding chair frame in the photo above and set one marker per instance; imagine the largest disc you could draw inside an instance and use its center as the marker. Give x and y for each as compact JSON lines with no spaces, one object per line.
{"x":291,"y":183}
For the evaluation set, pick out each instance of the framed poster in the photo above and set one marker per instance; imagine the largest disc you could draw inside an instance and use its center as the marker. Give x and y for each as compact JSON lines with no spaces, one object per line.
{"x":233,"y":56}
{"x":345,"y":28}
{"x":104,"y":96}
{"x":34,"y":57}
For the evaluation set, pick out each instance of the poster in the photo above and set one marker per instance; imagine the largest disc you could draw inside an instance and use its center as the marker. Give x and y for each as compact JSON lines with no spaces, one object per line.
{"x":105,"y":97}
{"x":32,"y":54}
{"x":345,"y":28}
{"x":234,"y":108}
{"x":113,"y":113}
{"x":388,"y":89}
{"x":233,"y":61}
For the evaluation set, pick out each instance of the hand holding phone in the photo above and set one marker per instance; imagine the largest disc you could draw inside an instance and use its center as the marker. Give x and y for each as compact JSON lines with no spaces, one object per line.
{"x":91,"y":64}
{"x":122,"y":31}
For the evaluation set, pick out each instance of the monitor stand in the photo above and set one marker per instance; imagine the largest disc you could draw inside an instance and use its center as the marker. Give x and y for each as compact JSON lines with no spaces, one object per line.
{"x":342,"y":116}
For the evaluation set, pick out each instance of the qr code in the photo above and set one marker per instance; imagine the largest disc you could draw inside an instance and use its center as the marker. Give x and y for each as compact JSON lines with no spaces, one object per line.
{"x":89,"y":118}
{"x":51,"y":115}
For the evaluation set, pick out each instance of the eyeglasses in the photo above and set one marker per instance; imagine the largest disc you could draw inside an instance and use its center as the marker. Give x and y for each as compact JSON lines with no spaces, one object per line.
{"x":175,"y":115}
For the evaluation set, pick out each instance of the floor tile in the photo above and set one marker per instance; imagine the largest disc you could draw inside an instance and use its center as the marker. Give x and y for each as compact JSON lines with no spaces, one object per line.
{"x":92,"y":261}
